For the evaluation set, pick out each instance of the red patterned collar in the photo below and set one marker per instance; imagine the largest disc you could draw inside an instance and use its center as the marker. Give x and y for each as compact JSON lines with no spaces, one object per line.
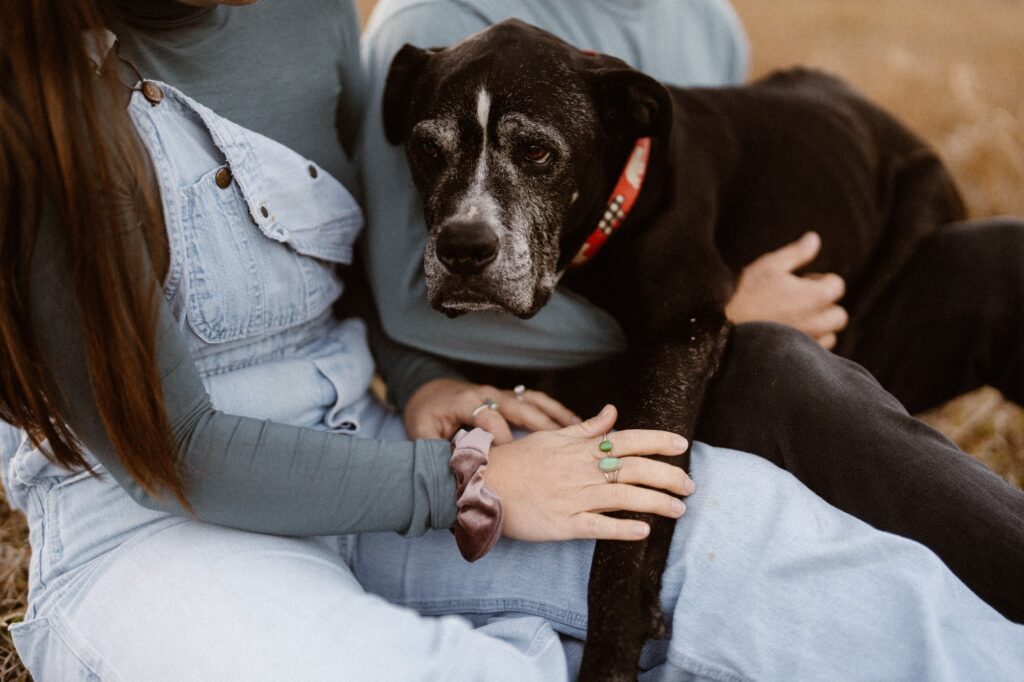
{"x":620,"y":202}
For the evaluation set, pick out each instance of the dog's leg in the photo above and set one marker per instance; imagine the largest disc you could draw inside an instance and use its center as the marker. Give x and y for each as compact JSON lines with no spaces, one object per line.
{"x":667,"y":381}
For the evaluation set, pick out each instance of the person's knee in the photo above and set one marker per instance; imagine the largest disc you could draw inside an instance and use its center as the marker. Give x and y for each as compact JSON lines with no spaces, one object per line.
{"x":771,"y":349}
{"x":764,"y":362}
{"x":766,"y":336}
{"x":786,"y":369}
{"x":777,"y":387}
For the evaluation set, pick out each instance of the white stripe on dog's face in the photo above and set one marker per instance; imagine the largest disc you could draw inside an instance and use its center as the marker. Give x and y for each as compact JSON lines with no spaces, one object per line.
{"x":478,"y":203}
{"x":483,"y":111}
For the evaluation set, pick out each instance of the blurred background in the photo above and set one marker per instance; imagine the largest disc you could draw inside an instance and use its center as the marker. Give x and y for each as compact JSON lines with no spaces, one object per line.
{"x":952,"y":69}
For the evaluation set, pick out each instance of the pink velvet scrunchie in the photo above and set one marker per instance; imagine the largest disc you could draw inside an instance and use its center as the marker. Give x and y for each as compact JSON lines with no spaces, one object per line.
{"x":479,"y":518}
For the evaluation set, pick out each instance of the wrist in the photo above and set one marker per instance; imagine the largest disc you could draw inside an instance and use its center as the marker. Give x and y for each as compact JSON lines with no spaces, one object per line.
{"x":479,"y":515}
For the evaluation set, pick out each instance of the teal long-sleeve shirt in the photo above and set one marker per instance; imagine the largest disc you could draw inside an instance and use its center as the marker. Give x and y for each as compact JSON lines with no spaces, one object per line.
{"x":684,"y":42}
{"x":288,"y":69}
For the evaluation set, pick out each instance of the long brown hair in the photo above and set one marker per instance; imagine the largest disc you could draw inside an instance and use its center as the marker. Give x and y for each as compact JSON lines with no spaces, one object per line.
{"x":66,"y":140}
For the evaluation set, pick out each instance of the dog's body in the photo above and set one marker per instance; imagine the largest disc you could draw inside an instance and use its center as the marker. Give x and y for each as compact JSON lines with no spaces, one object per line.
{"x":516,"y":141}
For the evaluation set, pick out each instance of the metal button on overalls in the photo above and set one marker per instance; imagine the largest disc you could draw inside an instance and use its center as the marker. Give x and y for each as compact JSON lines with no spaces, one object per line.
{"x":152,"y":92}
{"x":223,"y":177}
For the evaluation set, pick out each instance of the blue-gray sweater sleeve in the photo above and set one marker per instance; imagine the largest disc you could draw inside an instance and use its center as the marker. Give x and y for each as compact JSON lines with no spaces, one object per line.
{"x":244,"y":473}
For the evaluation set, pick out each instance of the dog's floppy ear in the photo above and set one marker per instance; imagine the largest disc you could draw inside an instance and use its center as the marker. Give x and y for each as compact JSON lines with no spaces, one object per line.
{"x":406,"y":68}
{"x":629,"y":101}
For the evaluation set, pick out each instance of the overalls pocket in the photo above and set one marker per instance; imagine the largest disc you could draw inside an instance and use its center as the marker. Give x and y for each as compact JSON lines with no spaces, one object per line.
{"x":227,"y":297}
{"x":247,"y":279}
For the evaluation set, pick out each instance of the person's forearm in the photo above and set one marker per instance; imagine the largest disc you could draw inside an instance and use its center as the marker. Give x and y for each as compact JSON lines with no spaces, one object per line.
{"x":275,"y":478}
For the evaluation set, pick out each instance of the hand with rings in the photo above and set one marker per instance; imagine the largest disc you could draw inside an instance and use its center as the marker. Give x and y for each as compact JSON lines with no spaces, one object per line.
{"x":556,"y":485}
{"x":440,"y":407}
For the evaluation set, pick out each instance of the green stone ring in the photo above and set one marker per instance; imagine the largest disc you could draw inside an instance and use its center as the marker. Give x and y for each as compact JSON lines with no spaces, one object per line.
{"x":605,"y":445}
{"x":610,"y":466}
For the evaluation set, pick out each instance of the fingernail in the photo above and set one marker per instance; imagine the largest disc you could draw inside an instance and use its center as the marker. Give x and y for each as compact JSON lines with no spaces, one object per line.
{"x":605,"y":410}
{"x":679,"y":442}
{"x":689,"y":487}
{"x":576,"y":420}
{"x":678,"y":508}
{"x":641,"y":530}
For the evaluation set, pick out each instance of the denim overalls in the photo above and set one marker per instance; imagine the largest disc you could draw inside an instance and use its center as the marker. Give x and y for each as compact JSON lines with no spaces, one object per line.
{"x":759,"y":566}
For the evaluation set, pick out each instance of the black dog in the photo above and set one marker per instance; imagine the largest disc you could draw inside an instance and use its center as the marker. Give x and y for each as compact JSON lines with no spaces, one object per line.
{"x":517,"y":140}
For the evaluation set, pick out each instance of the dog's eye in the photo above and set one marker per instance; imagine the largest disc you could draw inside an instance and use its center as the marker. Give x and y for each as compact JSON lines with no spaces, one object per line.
{"x":537,"y":155}
{"x":430,"y":148}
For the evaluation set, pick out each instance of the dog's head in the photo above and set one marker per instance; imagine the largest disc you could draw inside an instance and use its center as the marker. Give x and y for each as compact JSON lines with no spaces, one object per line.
{"x":514,"y":139}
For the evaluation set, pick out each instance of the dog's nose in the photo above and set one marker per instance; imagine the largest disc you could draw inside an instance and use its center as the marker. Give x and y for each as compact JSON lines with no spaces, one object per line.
{"x":466,"y":248}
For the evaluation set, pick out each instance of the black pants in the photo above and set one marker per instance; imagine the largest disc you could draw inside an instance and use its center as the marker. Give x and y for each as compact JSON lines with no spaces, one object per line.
{"x":953,"y":322}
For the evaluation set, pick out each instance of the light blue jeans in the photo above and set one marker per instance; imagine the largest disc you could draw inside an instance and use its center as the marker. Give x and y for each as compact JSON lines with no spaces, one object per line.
{"x":765,"y":581}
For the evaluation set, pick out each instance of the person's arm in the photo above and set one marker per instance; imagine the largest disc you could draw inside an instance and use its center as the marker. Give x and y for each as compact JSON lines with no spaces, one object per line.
{"x":244,"y":473}
{"x":567,"y":331}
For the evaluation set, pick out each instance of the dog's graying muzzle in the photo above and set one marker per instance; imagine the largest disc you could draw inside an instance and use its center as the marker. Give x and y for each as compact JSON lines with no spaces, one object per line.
{"x":466,"y":247}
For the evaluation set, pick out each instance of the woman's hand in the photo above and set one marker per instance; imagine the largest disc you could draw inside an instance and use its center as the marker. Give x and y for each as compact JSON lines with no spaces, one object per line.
{"x":439,"y":407}
{"x":551,"y":488}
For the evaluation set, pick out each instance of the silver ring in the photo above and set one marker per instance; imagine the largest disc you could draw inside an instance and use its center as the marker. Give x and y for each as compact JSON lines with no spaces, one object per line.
{"x":487,"y":404}
{"x":520,"y":392}
{"x":612,"y":476}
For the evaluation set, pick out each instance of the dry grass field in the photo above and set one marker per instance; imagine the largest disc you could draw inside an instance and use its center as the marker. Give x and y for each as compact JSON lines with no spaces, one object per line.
{"x":953,"y":69}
